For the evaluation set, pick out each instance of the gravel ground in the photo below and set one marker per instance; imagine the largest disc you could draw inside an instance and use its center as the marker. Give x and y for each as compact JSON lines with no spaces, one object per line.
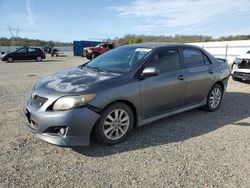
{"x":192,"y":149}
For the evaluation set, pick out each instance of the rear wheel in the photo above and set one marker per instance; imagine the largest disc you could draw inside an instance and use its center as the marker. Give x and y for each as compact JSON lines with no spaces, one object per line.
{"x":39,"y":58}
{"x":214,"y":98}
{"x":10,"y":60}
{"x":115,"y":124}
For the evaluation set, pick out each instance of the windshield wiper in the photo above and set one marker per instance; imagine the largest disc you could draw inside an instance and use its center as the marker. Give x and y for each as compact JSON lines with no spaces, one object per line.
{"x":95,"y":68}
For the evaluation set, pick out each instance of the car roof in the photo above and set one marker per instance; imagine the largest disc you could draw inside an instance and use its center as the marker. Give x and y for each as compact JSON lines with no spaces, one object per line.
{"x":28,"y":47}
{"x":160,"y":44}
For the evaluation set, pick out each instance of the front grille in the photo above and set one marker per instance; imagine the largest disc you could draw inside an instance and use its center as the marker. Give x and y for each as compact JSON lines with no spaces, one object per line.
{"x":245,"y":64}
{"x":38,"y":100}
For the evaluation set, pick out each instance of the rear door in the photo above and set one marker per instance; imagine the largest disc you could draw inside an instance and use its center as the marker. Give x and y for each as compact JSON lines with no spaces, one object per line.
{"x":164,"y":92}
{"x":200,"y":74}
{"x":32,"y":53}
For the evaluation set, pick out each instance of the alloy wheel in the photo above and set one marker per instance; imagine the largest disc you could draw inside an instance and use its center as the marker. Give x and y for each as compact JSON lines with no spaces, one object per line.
{"x":116,"y":124}
{"x":215,"y":98}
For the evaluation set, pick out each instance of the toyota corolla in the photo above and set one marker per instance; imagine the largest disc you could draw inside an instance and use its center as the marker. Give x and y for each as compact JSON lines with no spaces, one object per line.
{"x":126,"y":87}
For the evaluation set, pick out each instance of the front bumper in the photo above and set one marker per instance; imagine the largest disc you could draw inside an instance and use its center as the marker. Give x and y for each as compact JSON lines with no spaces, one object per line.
{"x":78,"y":124}
{"x":241,"y":75}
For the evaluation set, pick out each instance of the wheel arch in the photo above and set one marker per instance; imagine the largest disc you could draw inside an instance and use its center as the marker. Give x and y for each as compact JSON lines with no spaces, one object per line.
{"x":220,"y":83}
{"x":130,"y":104}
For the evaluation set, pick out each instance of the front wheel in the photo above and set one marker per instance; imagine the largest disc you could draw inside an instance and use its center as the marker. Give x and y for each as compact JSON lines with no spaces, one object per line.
{"x":116,"y":122}
{"x":93,"y":56}
{"x":214,"y":98}
{"x":10,"y":60}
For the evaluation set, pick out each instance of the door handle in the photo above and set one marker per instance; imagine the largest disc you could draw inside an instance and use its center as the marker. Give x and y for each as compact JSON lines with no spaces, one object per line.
{"x":211,"y":71}
{"x":181,"y":77}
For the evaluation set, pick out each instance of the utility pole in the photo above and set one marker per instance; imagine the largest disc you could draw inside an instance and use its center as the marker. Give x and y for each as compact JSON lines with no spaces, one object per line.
{"x":14,"y":33}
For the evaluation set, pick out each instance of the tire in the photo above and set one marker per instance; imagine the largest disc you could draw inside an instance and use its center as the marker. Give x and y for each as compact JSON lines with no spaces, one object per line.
{"x":236,"y":79}
{"x":214,"y":98}
{"x":93,"y":56}
{"x":10,"y":59}
{"x":89,"y":57}
{"x":39,"y":58}
{"x":110,"y":130}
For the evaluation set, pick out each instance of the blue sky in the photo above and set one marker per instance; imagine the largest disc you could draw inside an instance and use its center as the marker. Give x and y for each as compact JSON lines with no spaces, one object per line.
{"x":65,"y":20}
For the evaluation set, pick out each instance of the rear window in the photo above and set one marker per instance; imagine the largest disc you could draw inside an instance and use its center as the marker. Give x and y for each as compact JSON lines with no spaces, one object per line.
{"x":194,"y":58}
{"x":31,"y":50}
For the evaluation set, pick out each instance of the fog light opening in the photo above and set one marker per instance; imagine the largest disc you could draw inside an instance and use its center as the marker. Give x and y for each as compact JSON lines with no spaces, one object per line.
{"x":62,"y":131}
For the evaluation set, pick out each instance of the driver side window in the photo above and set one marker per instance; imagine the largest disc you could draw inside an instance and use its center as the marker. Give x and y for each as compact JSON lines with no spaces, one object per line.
{"x":166,"y":60}
{"x":22,"y":50}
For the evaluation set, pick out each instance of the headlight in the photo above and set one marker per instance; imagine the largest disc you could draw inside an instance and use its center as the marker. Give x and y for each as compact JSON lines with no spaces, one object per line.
{"x":237,"y":60}
{"x":68,"y":102}
{"x":89,"y":51}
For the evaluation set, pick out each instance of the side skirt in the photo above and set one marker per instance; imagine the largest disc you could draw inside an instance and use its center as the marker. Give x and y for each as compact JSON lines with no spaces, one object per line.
{"x":142,"y":122}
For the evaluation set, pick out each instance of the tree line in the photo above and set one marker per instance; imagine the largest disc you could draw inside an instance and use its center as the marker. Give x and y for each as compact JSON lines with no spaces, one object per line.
{"x":30,"y":42}
{"x":130,"y":39}
{"x":126,"y":39}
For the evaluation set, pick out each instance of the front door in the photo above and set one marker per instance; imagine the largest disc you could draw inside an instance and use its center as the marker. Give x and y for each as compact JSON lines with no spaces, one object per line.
{"x":21,"y":54}
{"x":164,"y":92}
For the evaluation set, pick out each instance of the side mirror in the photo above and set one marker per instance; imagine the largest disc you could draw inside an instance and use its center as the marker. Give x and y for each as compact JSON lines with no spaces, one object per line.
{"x":149,"y":71}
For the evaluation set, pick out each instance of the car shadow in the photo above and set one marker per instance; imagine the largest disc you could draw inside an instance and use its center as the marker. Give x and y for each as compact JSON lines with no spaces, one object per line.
{"x":52,"y":60}
{"x":179,"y":127}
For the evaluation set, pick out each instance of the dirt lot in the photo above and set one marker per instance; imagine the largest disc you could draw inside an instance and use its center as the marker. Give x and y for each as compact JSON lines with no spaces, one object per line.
{"x":192,"y":149}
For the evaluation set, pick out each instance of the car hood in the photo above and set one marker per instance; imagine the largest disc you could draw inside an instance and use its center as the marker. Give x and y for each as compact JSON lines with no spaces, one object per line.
{"x":74,"y":81}
{"x":89,"y":48}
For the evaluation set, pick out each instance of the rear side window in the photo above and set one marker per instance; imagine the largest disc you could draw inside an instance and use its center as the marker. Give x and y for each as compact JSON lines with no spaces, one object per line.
{"x":194,"y":58}
{"x":206,"y":60}
{"x":166,"y":60}
{"x":31,"y":50}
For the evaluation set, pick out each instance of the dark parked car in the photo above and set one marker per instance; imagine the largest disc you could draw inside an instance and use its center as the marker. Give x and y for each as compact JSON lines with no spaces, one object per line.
{"x":126,"y":87}
{"x":24,"y":53}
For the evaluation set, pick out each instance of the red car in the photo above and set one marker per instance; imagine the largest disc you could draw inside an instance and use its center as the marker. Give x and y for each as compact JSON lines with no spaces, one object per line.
{"x":93,"y":52}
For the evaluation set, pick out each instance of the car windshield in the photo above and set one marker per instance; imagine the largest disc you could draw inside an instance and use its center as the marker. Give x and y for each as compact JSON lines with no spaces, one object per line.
{"x":99,"y":45}
{"x":119,"y":60}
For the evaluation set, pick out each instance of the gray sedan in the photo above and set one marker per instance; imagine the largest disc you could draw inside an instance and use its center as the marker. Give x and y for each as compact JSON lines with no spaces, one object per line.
{"x":126,"y":87}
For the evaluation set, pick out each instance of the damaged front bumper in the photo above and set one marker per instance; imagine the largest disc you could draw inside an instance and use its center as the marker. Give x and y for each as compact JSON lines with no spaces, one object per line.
{"x":63,"y":128}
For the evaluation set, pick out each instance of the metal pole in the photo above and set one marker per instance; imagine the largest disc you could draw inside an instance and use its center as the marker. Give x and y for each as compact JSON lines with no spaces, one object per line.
{"x":226,"y":51}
